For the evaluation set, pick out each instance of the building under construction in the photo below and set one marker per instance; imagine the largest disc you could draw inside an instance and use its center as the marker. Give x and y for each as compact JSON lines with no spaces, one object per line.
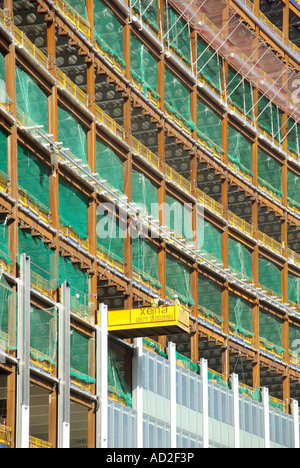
{"x":149,"y":151}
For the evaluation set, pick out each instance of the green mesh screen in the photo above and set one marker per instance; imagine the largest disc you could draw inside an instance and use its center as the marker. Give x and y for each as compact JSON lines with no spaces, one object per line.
{"x":149,"y":12}
{"x":33,"y":177}
{"x":239,"y":259}
{"x":269,"y":173}
{"x":79,"y":6}
{"x":294,"y":288}
{"x":4,"y":250}
{"x":209,"y":238}
{"x":294,"y":339}
{"x":145,"y":260}
{"x":293,"y":136}
{"x":293,"y":188}
{"x":108,"y":31}
{"x":32,"y":102}
{"x":73,"y":208}
{"x":3,"y":152}
{"x":177,"y":34}
{"x":209,"y":297}
{"x":239,"y":91}
{"x":239,"y":150}
{"x":269,"y":117}
{"x":178,"y":280}
{"x":109,"y":165}
{"x":209,"y":64}
{"x":177,"y":99}
{"x":4,"y":98}
{"x":43,"y":334}
{"x":72,"y":134}
{"x":82,"y":356}
{"x":269,"y":275}
{"x":270,"y":331}
{"x":116,"y":383}
{"x":240,"y":315}
{"x":8,"y":316}
{"x":179,"y":217}
{"x":110,"y":235}
{"x":144,"y":67}
{"x":209,"y":125}
{"x":78,"y":281}
{"x":144,"y":193}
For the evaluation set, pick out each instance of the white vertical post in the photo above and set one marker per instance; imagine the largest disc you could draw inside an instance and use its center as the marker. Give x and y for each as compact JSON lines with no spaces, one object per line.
{"x":102,"y":378}
{"x":204,"y":375}
{"x":64,"y":368}
{"x":265,"y":400}
{"x":23,"y":355}
{"x":173,"y":396}
{"x":236,"y":410}
{"x":295,"y":413}
{"x":137,"y":392}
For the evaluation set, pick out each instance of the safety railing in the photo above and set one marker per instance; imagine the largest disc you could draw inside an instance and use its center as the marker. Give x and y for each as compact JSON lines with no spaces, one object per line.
{"x":76,"y":19}
{"x":239,"y":170}
{"x":147,"y":282}
{"x":209,"y":202}
{"x":34,"y":442}
{"x":240,"y":224}
{"x":173,"y":117}
{"x":83,"y":382}
{"x":76,"y":92}
{"x":31,"y":203}
{"x":243,"y":336}
{"x":269,"y":242}
{"x":269,"y":348}
{"x":294,"y":360}
{"x":178,"y":179}
{"x":143,"y":151}
{"x":113,"y":60}
{"x":23,"y":40}
{"x":5,"y":435}
{"x":42,"y":285}
{"x":210,"y":319}
{"x":114,"y":263}
{"x":4,"y":182}
{"x":293,"y":257}
{"x":42,"y":363}
{"x":72,"y":235}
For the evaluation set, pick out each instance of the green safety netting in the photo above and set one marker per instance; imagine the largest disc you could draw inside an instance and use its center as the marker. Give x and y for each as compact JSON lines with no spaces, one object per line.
{"x":79,"y":6}
{"x":177,"y":34}
{"x":178,"y":99}
{"x":294,"y":288}
{"x":294,"y":339}
{"x":210,"y":298}
{"x":209,"y":126}
{"x":43,"y":334}
{"x":3,"y":152}
{"x":239,"y":259}
{"x":240,"y":92}
{"x":108,"y":31}
{"x":8,"y":316}
{"x":269,"y":275}
{"x":154,"y":347}
{"x":240,"y":315}
{"x":209,"y":238}
{"x":72,"y":134}
{"x":145,"y":260}
{"x":239,"y":150}
{"x":33,"y":177}
{"x":110,"y":234}
{"x":269,"y":117}
{"x":270,"y":331}
{"x":293,"y":188}
{"x":143,"y":66}
{"x":293,"y":135}
{"x":73,"y":208}
{"x":187,"y":363}
{"x":209,"y":64}
{"x":82,"y":357}
{"x":179,"y":217}
{"x":144,"y":193}
{"x":148,"y":11}
{"x":178,"y":280}
{"x":269,"y":172}
{"x":4,"y":246}
{"x":4,"y":98}
{"x":109,"y":165}
{"x":32,"y":102}
{"x":116,"y":383}
{"x":78,"y":281}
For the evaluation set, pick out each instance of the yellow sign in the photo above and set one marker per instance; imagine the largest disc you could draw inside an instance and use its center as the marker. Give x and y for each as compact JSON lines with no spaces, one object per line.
{"x":148,"y":321}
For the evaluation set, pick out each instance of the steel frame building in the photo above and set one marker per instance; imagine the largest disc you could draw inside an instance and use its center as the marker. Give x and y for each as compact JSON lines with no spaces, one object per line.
{"x":56,"y":45}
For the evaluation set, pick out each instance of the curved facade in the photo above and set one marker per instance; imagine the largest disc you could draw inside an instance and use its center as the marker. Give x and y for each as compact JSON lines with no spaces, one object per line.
{"x":150,"y":149}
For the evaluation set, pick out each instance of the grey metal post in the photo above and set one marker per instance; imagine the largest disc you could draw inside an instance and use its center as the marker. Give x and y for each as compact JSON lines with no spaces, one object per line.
{"x":236,"y":410}
{"x":295,"y":413}
{"x":64,"y":367}
{"x":265,"y":400}
{"x":23,"y":355}
{"x":204,"y":375}
{"x":102,"y":379}
{"x":172,"y":359}
{"x":137,"y":391}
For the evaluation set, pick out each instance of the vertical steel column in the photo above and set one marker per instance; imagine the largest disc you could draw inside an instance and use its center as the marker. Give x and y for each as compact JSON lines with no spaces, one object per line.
{"x":265,"y":400}
{"x":64,"y":367}
{"x":204,"y":375}
{"x":102,"y":379}
{"x":23,"y":355}
{"x":137,"y":391}
{"x":173,"y":407}
{"x":295,"y":413}
{"x":236,"y":410}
